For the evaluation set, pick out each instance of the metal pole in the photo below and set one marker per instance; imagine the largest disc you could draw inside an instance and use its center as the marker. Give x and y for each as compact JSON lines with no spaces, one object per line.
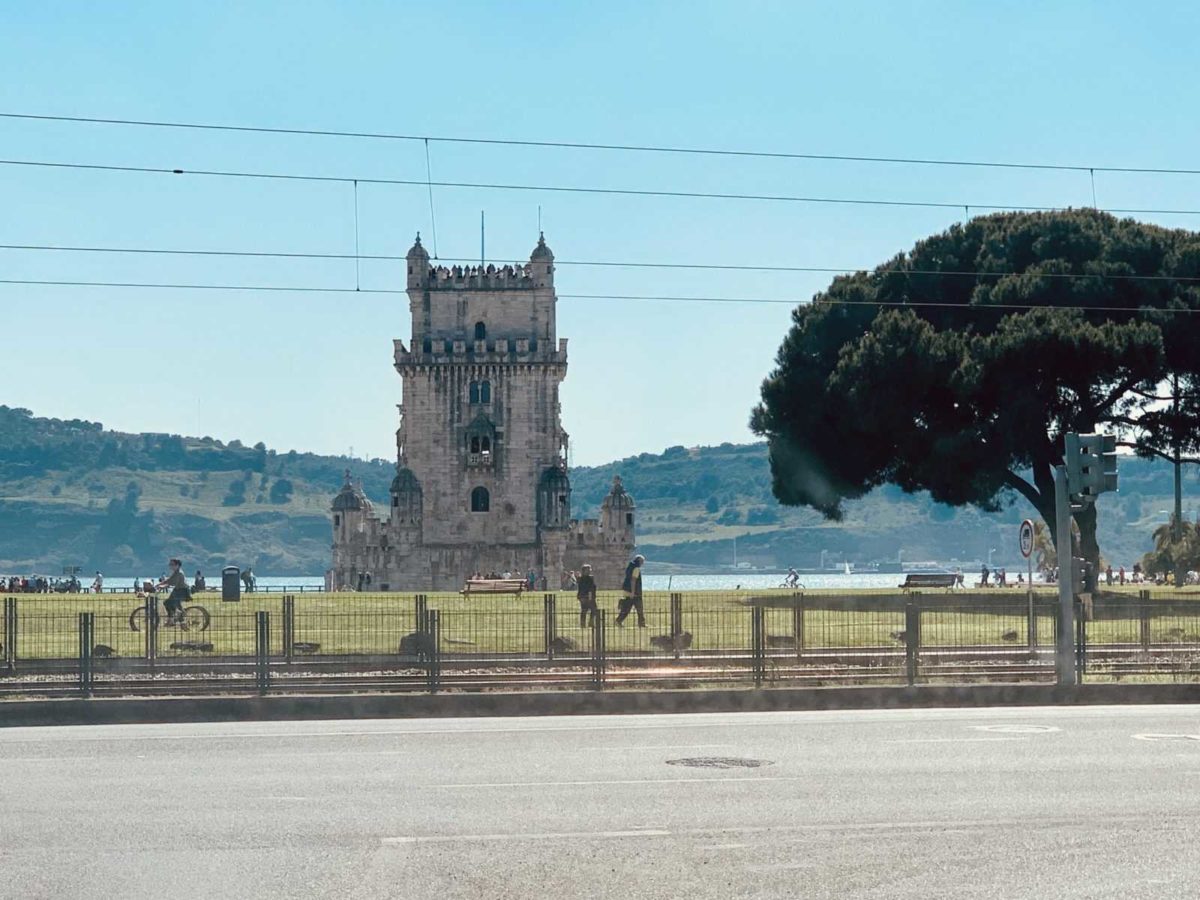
{"x":1031,"y":622}
{"x":10,"y":634}
{"x":262,"y":650}
{"x":798,"y":623}
{"x":549,"y":628}
{"x":1065,"y":651}
{"x":86,"y":634}
{"x":912,"y":641}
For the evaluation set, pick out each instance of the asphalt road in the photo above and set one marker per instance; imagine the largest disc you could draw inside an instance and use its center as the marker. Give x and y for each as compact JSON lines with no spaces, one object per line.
{"x":1048,"y":802}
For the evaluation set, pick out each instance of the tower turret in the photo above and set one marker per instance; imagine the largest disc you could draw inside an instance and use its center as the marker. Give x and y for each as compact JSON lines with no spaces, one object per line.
{"x":418,"y":264}
{"x":616,"y":512}
{"x":541,"y":263}
{"x":407,"y":497}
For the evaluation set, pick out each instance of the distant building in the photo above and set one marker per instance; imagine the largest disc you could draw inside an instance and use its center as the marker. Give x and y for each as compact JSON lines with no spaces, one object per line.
{"x":481,"y":480}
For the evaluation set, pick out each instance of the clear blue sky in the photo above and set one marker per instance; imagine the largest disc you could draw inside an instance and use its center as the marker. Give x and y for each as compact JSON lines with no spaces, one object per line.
{"x":1077,"y":83}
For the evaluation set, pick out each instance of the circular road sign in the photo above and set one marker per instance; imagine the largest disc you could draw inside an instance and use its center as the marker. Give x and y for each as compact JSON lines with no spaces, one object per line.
{"x":1027,"y":538}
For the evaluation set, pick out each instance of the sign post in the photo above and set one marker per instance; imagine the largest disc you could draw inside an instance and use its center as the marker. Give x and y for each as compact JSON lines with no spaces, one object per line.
{"x":1026,"y":540}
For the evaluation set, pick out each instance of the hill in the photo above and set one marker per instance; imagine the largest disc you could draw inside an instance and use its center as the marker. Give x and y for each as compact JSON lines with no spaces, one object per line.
{"x":73,"y":493}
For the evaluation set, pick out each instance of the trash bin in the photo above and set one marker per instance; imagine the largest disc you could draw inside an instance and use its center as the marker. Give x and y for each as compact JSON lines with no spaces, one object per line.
{"x":231,"y":584}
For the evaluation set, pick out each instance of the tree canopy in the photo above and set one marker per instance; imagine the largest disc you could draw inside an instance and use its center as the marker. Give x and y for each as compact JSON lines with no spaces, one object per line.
{"x":957,"y":367}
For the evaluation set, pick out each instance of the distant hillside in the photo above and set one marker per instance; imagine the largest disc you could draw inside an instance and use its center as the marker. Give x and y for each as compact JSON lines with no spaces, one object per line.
{"x":72,"y":493}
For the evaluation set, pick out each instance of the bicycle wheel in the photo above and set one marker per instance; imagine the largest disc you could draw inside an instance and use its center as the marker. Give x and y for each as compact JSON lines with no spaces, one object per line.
{"x":196,"y":618}
{"x":138,"y":618}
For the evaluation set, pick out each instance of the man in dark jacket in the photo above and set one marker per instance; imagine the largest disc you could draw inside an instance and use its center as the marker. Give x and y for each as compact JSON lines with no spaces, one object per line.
{"x":632,"y":586}
{"x":586,"y":592}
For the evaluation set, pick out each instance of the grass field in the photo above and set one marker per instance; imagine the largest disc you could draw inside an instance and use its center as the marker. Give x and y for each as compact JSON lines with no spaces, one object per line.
{"x":718,"y":621}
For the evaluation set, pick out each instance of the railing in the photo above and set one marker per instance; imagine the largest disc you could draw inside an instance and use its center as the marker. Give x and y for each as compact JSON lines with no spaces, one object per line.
{"x":434,"y":642}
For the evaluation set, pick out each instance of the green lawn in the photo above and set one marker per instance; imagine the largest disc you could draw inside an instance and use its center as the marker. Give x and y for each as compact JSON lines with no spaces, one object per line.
{"x":718,"y":621}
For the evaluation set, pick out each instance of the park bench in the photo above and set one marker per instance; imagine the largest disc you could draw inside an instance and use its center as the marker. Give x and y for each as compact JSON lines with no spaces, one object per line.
{"x":929,"y":580}
{"x":493,"y":586}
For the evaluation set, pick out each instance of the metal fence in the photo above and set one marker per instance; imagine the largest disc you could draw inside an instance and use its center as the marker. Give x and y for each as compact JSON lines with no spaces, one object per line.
{"x":434,"y":642}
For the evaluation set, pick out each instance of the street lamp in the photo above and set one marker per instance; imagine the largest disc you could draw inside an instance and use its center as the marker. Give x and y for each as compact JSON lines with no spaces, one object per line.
{"x":990,"y":552}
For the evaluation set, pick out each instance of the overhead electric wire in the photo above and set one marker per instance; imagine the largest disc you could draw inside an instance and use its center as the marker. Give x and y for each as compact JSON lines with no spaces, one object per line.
{"x":573,"y":189}
{"x":666,"y":298}
{"x":734,"y":267}
{"x":626,"y":148}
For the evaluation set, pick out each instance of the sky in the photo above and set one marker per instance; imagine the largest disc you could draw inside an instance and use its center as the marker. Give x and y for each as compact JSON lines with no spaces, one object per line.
{"x":1087,"y":83}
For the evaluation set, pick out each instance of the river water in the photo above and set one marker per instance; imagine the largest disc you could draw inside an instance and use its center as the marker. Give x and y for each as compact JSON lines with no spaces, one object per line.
{"x":715,"y":582}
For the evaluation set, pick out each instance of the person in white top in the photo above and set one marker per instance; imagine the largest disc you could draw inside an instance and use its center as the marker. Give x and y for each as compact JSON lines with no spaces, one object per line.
{"x":98,"y":584}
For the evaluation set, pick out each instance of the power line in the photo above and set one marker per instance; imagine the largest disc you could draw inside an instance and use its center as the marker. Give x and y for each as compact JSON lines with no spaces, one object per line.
{"x":572,"y":189}
{"x":627,"y":148}
{"x":665,"y":298}
{"x":825,"y":270}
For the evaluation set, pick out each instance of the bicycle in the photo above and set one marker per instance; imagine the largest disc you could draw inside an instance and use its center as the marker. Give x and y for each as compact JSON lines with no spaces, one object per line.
{"x":792,"y":585}
{"x":195,"y":617}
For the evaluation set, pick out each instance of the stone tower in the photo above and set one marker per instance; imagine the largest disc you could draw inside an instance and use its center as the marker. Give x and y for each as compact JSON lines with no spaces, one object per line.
{"x":481,"y":481}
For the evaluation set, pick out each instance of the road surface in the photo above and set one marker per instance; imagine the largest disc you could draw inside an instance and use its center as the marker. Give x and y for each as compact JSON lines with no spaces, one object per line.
{"x":1054,"y":802}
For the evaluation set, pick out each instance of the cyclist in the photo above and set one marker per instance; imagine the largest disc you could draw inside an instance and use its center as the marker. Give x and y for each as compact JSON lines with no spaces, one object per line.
{"x":179,"y":592}
{"x":793,"y":577}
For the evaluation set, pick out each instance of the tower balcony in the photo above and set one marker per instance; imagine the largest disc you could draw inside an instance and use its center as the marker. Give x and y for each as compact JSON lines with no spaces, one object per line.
{"x":443,"y":351}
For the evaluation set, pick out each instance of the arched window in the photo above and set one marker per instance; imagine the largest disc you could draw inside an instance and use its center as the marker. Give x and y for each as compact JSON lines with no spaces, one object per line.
{"x":427,"y":345}
{"x":475,"y":443}
{"x":480,"y":331}
{"x":479,"y":500}
{"x":485,"y":445}
{"x":474,"y":395}
{"x":485,"y":392}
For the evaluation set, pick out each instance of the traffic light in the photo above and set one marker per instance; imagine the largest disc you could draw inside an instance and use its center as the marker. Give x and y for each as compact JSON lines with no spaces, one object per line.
{"x":1091,"y":461}
{"x":1081,"y":574}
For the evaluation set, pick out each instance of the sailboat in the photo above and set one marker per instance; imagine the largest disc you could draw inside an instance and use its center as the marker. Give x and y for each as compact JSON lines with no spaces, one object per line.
{"x":846,"y":569}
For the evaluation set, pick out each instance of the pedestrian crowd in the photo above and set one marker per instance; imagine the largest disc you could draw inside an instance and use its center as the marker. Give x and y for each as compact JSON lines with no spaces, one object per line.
{"x":39,"y":584}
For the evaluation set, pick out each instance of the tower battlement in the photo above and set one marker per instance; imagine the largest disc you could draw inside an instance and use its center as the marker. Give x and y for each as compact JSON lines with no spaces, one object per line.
{"x":479,"y":278}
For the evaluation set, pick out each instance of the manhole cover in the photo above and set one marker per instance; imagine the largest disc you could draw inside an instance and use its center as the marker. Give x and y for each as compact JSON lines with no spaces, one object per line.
{"x":1017,"y":729}
{"x":719,"y":762}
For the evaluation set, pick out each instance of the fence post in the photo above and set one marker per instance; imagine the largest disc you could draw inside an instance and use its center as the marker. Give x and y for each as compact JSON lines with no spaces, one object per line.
{"x":676,"y":621}
{"x":1080,"y":642}
{"x":87,"y":626}
{"x":912,"y":641}
{"x":10,"y":634}
{"x":758,"y":648}
{"x":599,"y":660}
{"x":420,"y":611}
{"x":1144,"y":615}
{"x":262,"y":650}
{"x":798,"y":623}
{"x":549,"y":624}
{"x":151,"y":619}
{"x":434,"y":647}
{"x":1031,"y":623}
{"x":289,"y":626}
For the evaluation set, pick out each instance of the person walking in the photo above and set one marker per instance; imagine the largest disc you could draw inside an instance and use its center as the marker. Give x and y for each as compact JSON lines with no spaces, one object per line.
{"x":586,"y":592}
{"x":98,"y":584}
{"x":632,"y":586}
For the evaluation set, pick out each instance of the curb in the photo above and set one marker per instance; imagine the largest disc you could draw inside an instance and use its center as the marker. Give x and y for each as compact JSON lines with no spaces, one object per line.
{"x":16,"y":713}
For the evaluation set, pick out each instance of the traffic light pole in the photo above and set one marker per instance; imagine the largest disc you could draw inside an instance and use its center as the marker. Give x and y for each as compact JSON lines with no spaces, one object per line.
{"x":1064,"y":657}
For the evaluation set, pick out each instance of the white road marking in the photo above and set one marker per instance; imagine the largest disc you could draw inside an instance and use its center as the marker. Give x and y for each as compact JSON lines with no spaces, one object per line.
{"x":1017,"y":728}
{"x":830,"y":828}
{"x":534,"y":836}
{"x":546,"y":784}
{"x":661,"y":747}
{"x":951,"y":740}
{"x":1157,"y":736}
